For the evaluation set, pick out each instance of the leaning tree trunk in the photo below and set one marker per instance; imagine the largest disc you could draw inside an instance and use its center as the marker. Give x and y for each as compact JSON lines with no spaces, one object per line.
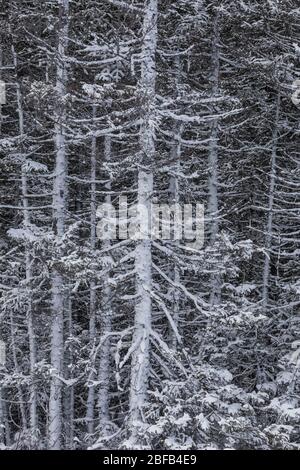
{"x":143,"y":256}
{"x":59,"y":209}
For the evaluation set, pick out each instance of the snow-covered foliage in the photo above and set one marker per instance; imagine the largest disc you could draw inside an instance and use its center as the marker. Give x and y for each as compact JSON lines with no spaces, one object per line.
{"x":149,"y":344}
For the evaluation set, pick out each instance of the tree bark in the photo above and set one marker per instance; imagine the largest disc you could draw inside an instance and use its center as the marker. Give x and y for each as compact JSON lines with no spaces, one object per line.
{"x":143,"y":256}
{"x":59,"y":209}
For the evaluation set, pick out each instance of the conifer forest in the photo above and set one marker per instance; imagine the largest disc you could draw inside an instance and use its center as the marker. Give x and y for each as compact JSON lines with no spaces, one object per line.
{"x":110,"y":337}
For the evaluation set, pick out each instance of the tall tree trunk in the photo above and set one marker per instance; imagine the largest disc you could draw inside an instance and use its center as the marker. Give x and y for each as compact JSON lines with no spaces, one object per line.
{"x":2,"y":344}
{"x":28,"y":269}
{"x":69,"y":392}
{"x":143,"y":256}
{"x":26,"y":220}
{"x":90,"y":413}
{"x":269,"y":227}
{"x":59,"y":208}
{"x":106,"y":315}
{"x":213,"y":200}
{"x":175,"y":194}
{"x":174,"y":190}
{"x":2,"y":420}
{"x":13,"y":331}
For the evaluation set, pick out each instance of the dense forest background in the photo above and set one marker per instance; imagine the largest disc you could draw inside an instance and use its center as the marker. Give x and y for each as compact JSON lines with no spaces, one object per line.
{"x":149,"y":343}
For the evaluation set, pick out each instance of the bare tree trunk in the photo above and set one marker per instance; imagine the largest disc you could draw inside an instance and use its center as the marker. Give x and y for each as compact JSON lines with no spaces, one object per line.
{"x":143,"y":256}
{"x":59,"y":208}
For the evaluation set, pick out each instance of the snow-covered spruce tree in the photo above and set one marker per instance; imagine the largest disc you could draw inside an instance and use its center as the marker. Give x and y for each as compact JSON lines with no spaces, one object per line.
{"x":26,"y":239}
{"x":143,"y":258}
